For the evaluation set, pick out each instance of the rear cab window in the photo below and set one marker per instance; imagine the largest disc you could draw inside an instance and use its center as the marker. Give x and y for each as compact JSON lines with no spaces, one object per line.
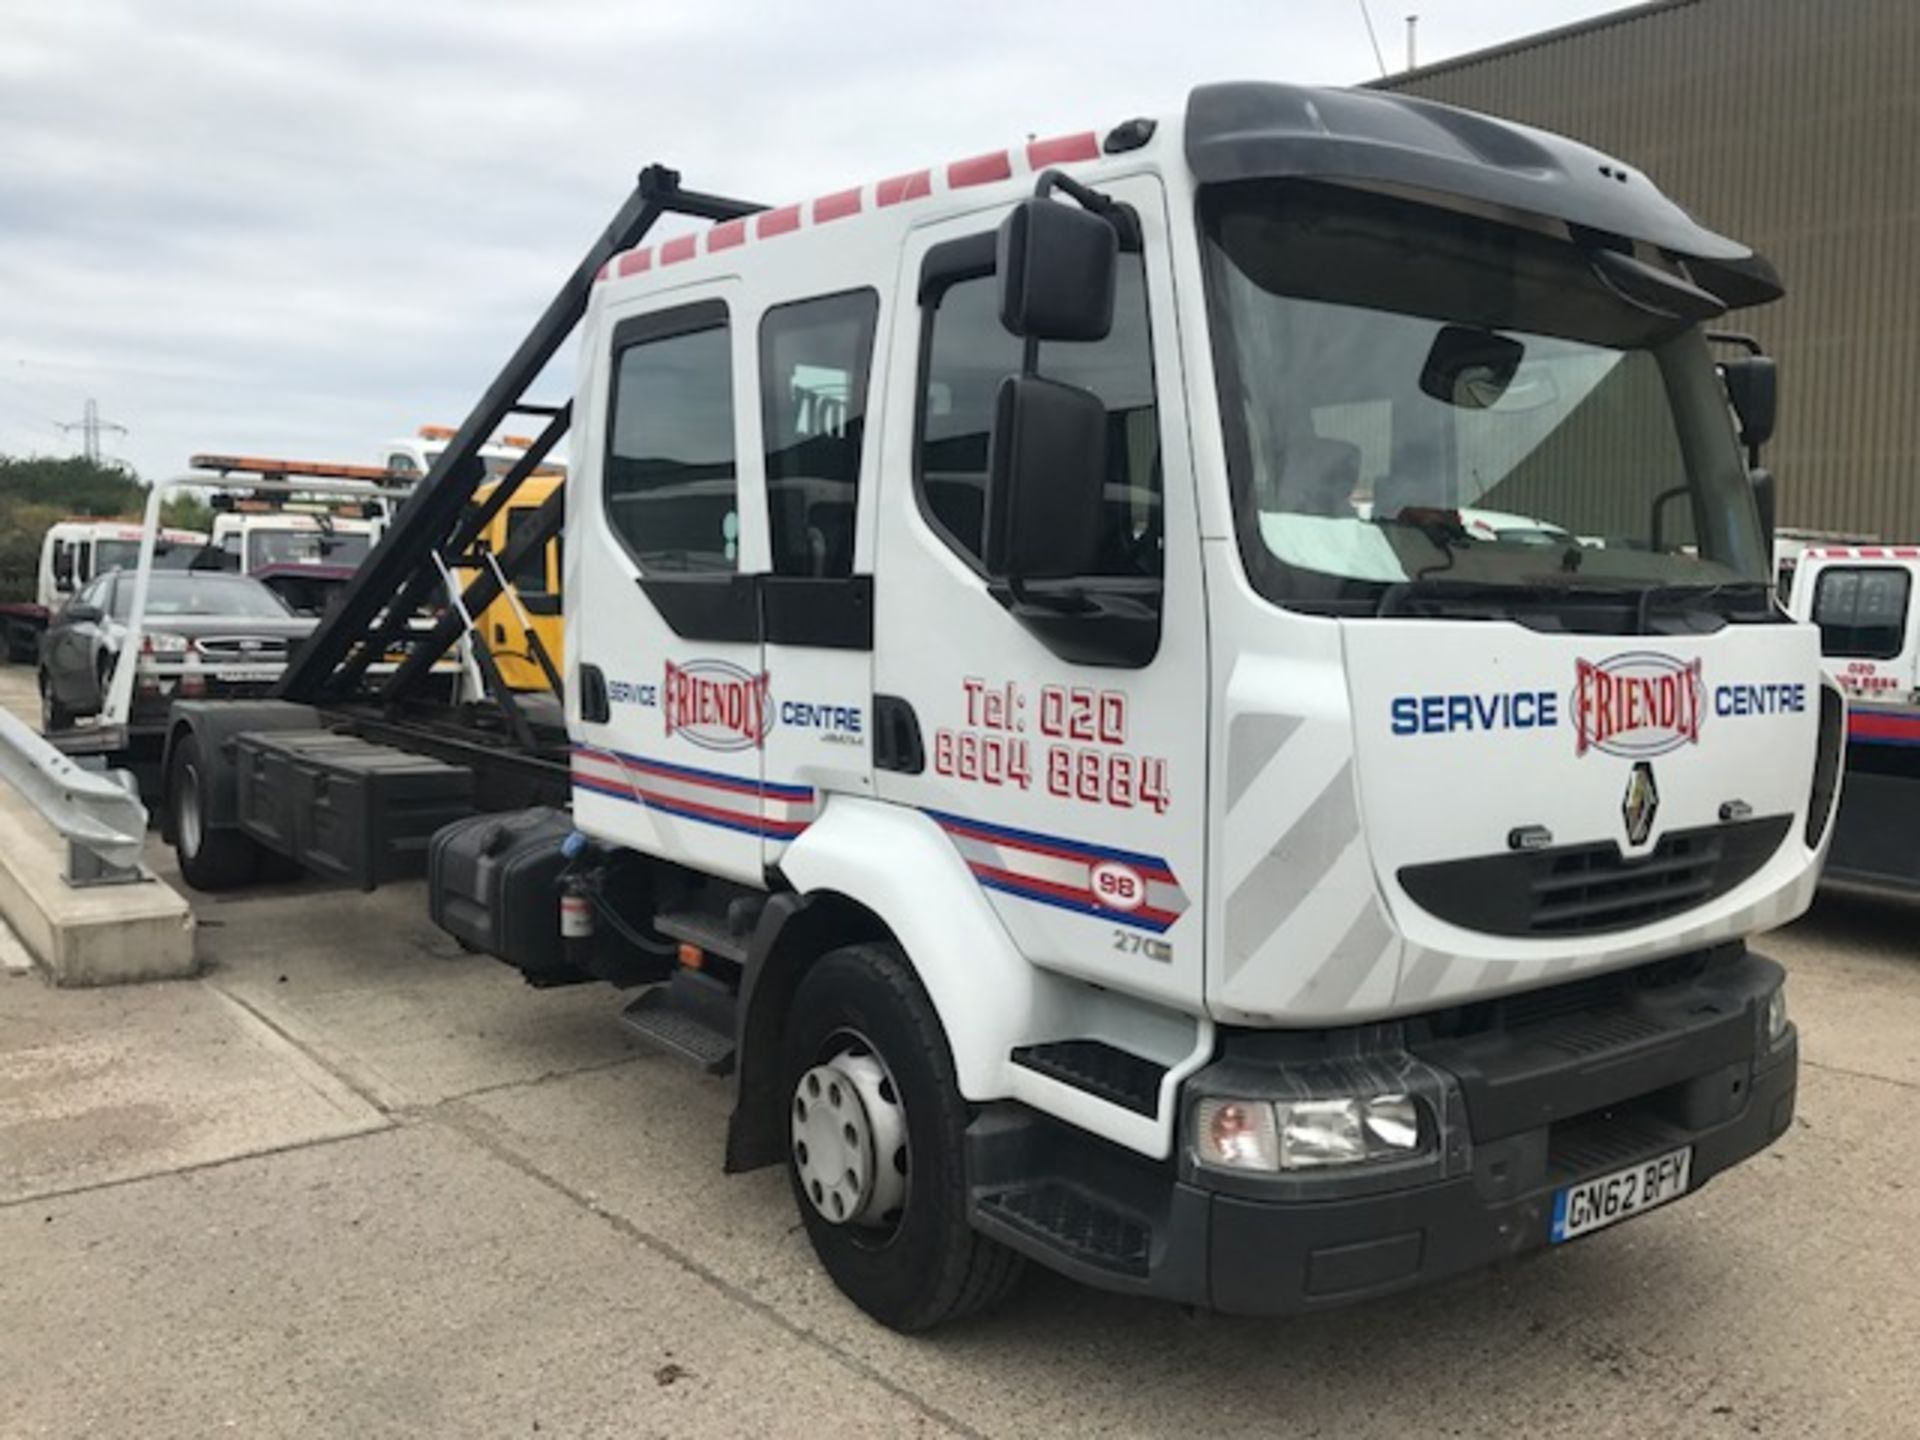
{"x":671,"y":487}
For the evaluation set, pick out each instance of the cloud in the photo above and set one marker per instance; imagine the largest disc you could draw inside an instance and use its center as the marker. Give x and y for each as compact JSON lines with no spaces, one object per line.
{"x":306,"y":226}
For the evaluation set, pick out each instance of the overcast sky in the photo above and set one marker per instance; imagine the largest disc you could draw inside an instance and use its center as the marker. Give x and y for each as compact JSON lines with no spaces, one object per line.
{"x":300,"y":227}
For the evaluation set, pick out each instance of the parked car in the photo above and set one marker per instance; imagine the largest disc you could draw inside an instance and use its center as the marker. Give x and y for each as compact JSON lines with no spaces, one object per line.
{"x":205,"y":633}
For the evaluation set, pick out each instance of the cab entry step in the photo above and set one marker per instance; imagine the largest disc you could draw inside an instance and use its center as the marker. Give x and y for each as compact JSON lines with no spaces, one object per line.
{"x":344,"y":807}
{"x":690,"y":1016}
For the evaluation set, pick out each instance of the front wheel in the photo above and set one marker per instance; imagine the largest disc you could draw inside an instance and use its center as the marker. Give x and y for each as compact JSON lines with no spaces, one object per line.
{"x":210,"y":859}
{"x":877,"y":1132}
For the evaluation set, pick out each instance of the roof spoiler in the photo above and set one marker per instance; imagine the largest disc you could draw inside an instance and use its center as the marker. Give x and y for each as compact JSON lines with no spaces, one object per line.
{"x":1249,"y":130}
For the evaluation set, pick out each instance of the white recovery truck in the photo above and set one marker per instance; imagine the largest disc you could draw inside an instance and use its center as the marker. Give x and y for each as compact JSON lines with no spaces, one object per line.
{"x":1861,"y":598}
{"x":1053,"y":710}
{"x":72,"y":553}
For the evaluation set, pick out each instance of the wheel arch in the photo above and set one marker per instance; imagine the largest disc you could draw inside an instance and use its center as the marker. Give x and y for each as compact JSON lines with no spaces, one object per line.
{"x":869,"y":871}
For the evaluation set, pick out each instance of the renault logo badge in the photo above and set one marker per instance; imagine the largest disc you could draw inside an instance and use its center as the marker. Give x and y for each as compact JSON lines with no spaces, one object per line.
{"x":1641,"y":804}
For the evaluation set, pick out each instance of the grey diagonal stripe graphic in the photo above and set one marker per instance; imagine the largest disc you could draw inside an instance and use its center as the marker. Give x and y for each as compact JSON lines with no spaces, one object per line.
{"x":1252,"y":742}
{"x":1286,"y":875}
{"x":1352,"y":962}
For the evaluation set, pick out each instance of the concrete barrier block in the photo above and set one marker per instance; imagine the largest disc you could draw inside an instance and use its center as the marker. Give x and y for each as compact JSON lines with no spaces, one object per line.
{"x":100,"y":935}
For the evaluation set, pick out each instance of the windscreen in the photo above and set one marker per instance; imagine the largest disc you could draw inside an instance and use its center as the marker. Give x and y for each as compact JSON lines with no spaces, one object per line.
{"x":125,"y":555}
{"x":223,"y":596}
{"x":305,"y":547}
{"x":1417,"y":398}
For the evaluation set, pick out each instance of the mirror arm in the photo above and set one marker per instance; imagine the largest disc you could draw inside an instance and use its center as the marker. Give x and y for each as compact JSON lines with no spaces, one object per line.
{"x":1125,"y":223}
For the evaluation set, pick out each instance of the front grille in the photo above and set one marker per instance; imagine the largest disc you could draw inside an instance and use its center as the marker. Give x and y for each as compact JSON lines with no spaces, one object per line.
{"x":228,"y":647}
{"x":1593,"y":889}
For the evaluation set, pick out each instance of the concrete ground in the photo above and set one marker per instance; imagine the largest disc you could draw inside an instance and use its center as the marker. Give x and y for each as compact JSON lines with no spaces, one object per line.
{"x":356,"y":1182}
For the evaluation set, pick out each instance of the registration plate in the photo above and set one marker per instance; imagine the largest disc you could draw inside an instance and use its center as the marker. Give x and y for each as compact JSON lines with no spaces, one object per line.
{"x":243,"y":673}
{"x":1595,"y":1204}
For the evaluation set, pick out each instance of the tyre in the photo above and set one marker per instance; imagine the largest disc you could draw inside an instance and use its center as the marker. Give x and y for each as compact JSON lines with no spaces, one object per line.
{"x":209,"y":859}
{"x":53,"y":715}
{"x":876,"y":1147}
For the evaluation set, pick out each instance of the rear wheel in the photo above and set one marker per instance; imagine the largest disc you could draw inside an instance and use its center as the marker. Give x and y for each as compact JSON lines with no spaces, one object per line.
{"x":876,"y":1145}
{"x":210,"y":859}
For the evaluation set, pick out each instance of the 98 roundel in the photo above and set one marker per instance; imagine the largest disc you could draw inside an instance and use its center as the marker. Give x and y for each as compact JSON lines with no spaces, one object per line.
{"x":1117,"y":886}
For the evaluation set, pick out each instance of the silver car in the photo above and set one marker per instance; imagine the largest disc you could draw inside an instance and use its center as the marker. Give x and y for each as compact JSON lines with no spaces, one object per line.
{"x":205,"y":634}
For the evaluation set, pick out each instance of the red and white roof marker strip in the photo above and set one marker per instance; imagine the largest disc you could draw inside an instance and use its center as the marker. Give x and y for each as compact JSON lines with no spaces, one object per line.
{"x":1867,"y":552}
{"x":987,"y":169}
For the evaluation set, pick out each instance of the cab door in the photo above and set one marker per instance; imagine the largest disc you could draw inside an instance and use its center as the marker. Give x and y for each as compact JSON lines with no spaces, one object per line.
{"x":666,"y":686}
{"x":1065,"y":763}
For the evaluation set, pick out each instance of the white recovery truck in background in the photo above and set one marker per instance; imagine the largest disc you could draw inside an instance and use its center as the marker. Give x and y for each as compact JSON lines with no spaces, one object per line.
{"x":72,"y":552}
{"x":1052,"y":710}
{"x":1861,"y":598}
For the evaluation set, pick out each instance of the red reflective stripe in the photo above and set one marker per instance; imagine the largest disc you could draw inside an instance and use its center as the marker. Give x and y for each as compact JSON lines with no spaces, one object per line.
{"x":777,"y":222}
{"x":1906,"y":552}
{"x":602,"y":272}
{"x":1062,"y":149}
{"x":1872,"y":552}
{"x":980,"y":170}
{"x":726,"y":235}
{"x":681,"y":247}
{"x":916,"y":185}
{"x":836,"y":205}
{"x":634,"y":261}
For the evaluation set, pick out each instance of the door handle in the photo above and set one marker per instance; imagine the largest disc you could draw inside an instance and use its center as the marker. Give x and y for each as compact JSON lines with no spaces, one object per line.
{"x":896,"y":739}
{"x":594,"y":707}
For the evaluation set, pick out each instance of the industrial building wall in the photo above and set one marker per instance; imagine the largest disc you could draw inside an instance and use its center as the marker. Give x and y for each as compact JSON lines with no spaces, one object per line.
{"x":1793,"y":125}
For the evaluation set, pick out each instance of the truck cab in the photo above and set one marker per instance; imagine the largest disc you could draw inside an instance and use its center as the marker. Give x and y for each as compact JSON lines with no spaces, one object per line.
{"x":72,"y":554}
{"x":524,"y":623}
{"x":303,"y":551}
{"x":1260,"y":623}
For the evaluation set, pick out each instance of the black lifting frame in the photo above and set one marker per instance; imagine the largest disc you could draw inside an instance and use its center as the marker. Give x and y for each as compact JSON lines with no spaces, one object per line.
{"x":438,"y":523}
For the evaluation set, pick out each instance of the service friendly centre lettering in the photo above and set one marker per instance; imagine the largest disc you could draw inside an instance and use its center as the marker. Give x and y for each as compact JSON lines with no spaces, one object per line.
{"x":1637,"y":704}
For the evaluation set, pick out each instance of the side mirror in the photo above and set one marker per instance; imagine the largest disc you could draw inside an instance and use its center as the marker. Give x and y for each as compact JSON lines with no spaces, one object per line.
{"x":1056,"y":265}
{"x":1046,"y":480}
{"x":82,"y":614}
{"x":1764,"y":501}
{"x":1752,"y":383}
{"x":63,"y":569}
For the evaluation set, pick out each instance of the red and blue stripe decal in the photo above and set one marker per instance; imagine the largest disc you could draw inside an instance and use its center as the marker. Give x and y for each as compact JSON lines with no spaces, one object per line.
{"x":1883,"y":727}
{"x":1123,"y":887}
{"x":742,"y":803}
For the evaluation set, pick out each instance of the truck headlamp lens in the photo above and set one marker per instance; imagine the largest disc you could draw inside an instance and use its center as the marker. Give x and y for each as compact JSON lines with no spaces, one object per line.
{"x":1777,"y":1017}
{"x":1306,"y":1134}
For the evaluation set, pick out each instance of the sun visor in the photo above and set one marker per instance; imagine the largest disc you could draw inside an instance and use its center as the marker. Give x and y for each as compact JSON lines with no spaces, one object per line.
{"x":1256,"y":130}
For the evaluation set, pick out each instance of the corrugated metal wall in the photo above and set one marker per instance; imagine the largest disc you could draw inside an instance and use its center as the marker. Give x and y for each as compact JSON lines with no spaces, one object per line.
{"x":1793,"y":125}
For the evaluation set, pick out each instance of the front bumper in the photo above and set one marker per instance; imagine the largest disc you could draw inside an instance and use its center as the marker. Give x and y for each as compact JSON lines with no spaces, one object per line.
{"x":1525,"y":1111}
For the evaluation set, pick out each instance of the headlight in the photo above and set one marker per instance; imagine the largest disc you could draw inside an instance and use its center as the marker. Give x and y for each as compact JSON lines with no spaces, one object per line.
{"x":1776,"y":1017}
{"x":159,"y":642}
{"x":1307,"y":1134}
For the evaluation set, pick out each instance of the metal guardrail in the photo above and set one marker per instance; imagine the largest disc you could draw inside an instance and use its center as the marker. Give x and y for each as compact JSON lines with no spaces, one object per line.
{"x":98,"y":812}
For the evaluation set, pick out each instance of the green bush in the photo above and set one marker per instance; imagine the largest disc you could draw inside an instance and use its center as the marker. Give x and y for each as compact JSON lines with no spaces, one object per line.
{"x":34,"y":493}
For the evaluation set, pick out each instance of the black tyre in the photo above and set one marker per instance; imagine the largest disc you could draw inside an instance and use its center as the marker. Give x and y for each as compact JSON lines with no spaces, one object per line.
{"x":876,"y":1126}
{"x":53,"y":715}
{"x":210,"y":859}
